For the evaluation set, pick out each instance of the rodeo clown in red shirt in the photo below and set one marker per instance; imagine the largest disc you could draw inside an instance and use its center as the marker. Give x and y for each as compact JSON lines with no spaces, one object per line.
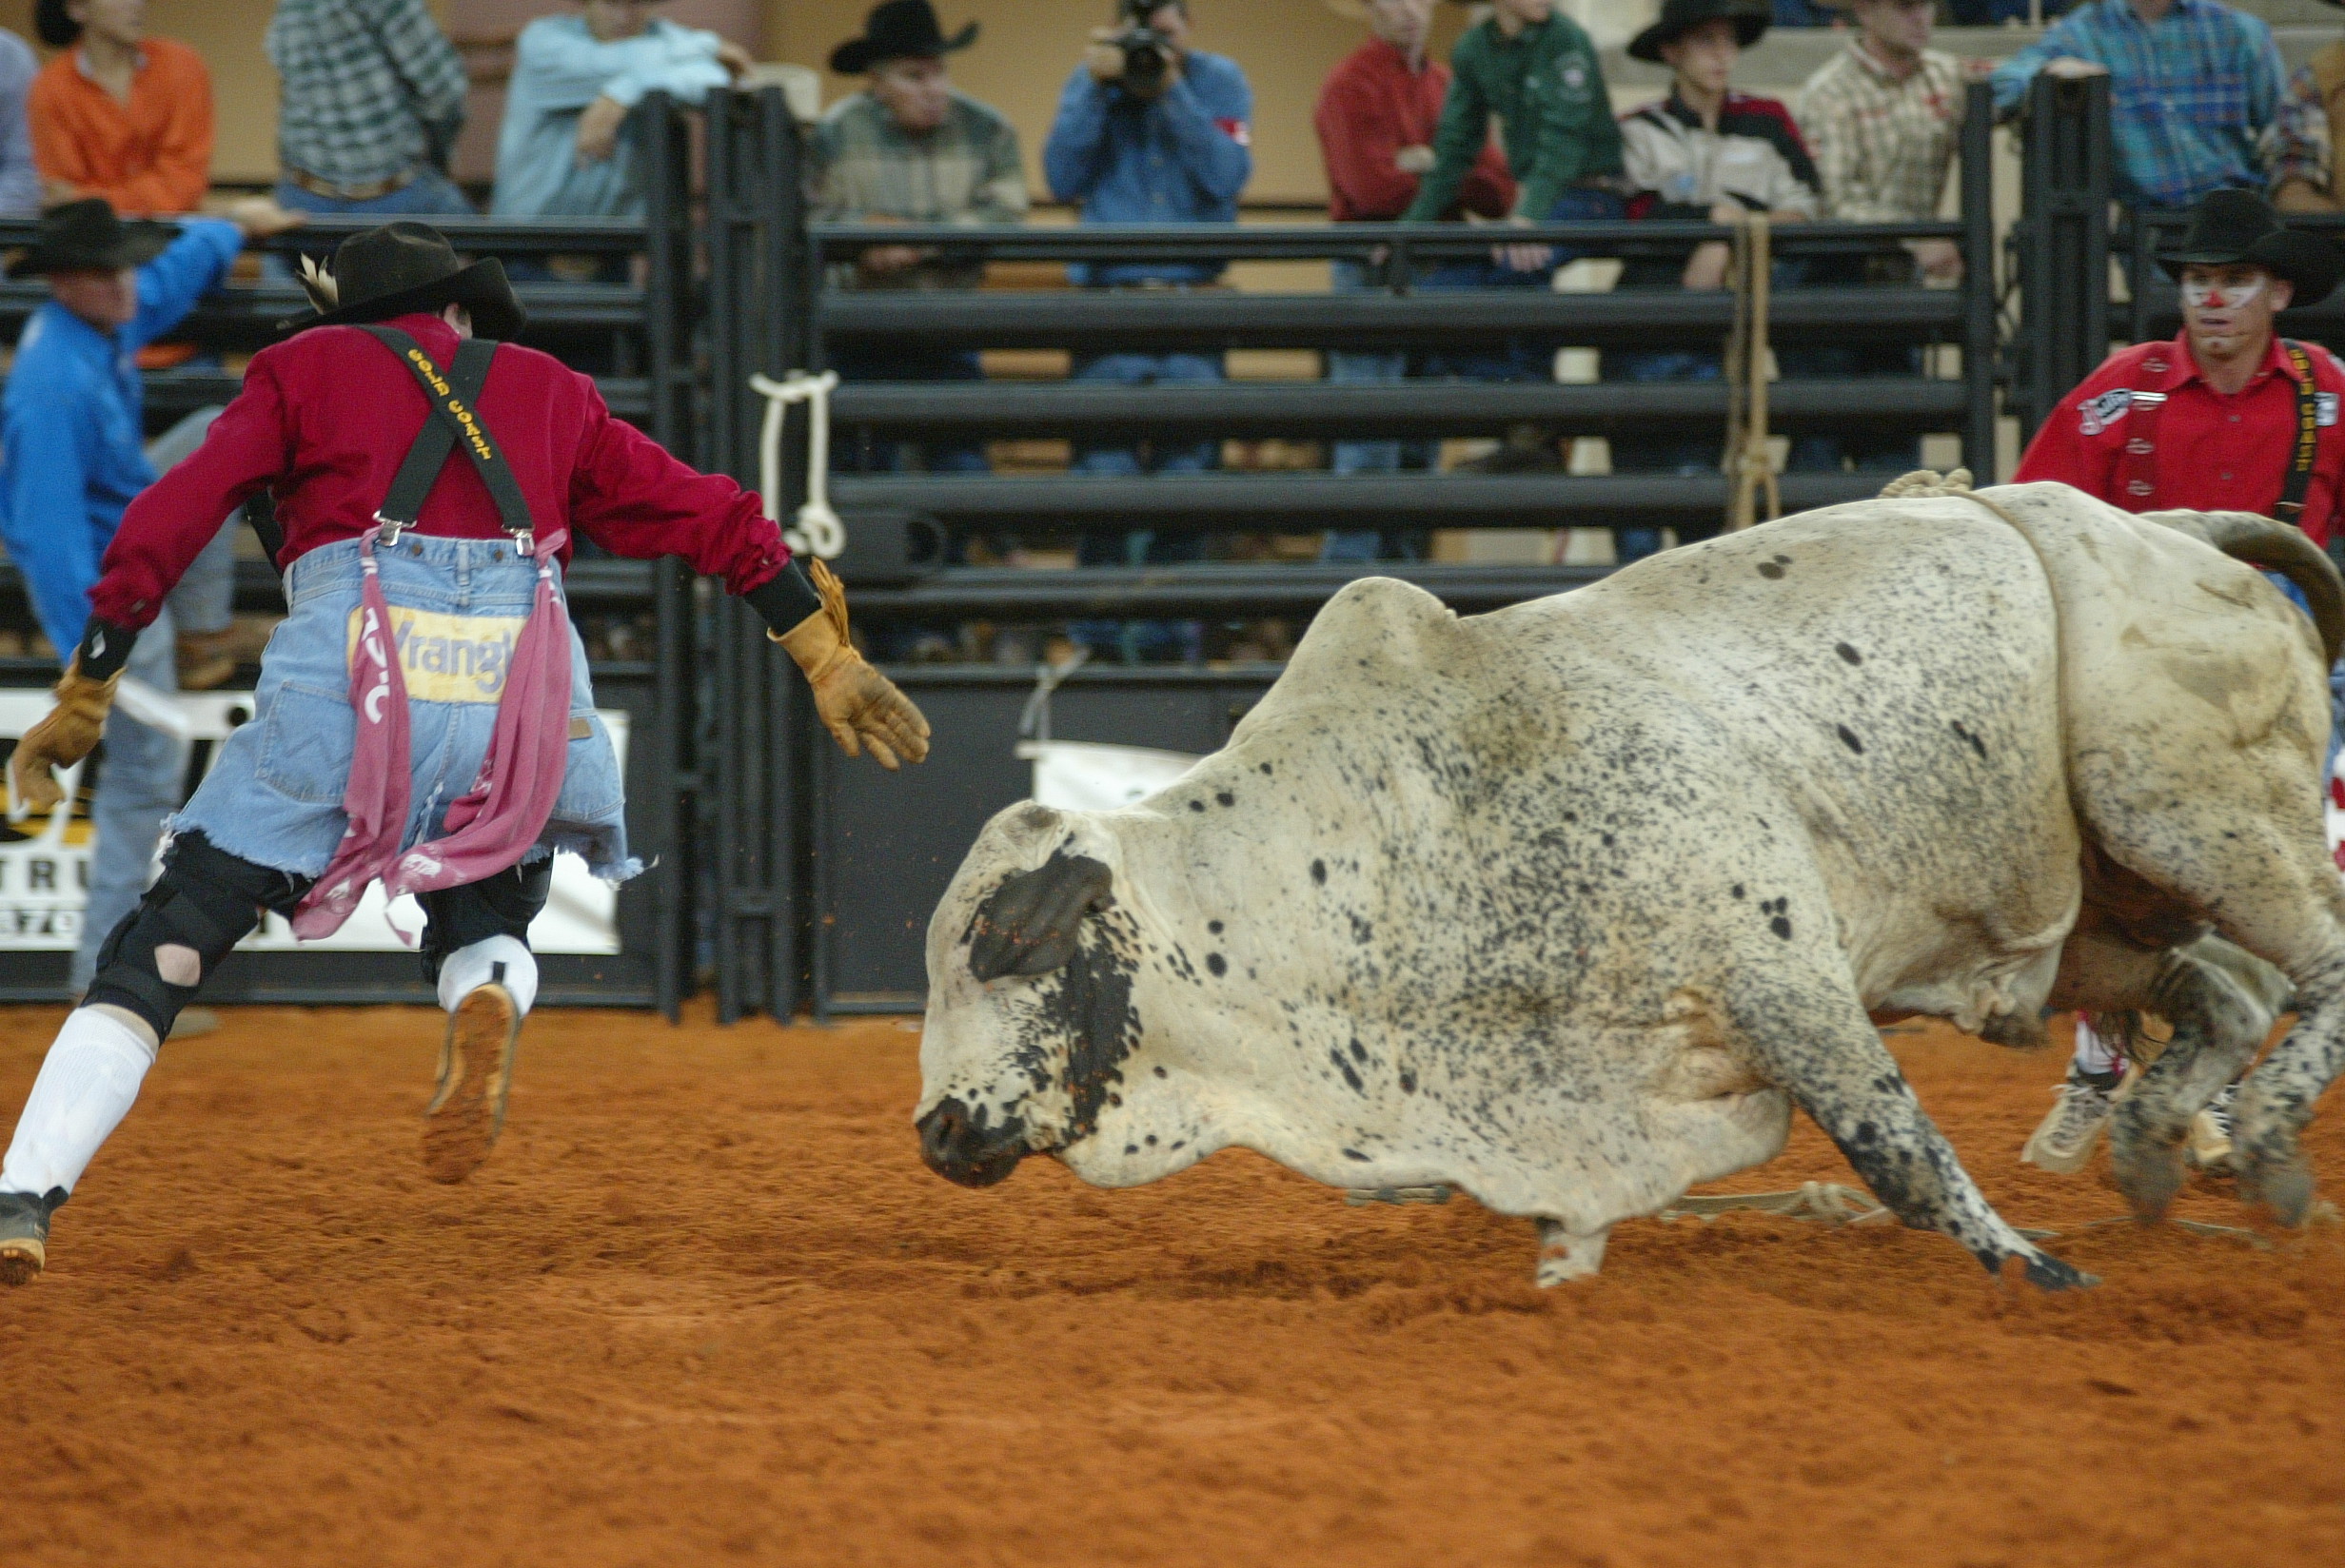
{"x":423,"y":717}
{"x":2226,"y":417}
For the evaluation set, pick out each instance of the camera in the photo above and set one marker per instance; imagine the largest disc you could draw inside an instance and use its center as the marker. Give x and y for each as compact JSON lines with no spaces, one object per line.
{"x":1148,"y":54}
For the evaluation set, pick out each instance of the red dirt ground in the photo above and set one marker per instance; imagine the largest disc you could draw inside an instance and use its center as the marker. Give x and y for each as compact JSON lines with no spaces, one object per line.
{"x":707,"y":1306}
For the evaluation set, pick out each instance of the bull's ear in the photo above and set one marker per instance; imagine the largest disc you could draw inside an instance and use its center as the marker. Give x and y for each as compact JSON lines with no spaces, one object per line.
{"x":1029,"y":925}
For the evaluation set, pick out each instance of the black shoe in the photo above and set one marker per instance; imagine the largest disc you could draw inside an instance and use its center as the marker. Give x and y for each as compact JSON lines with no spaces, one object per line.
{"x":23,"y":1233}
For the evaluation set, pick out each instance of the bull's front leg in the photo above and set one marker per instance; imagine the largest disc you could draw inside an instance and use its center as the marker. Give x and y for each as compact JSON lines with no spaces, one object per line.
{"x":1568,"y":1254}
{"x":1820,"y":1047}
{"x":2276,"y":1099}
{"x":2218,"y":1024}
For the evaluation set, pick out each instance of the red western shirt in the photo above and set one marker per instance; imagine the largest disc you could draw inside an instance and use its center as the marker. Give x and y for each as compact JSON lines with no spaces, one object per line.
{"x":2214,"y":453}
{"x":1372,"y":105}
{"x":326,"y":419}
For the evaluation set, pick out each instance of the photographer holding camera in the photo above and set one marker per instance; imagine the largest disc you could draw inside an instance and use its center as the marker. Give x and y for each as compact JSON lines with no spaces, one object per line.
{"x":1151,"y":132}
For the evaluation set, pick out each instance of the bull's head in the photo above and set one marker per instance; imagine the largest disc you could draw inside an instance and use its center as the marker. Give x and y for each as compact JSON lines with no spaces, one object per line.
{"x":1030,"y":1017}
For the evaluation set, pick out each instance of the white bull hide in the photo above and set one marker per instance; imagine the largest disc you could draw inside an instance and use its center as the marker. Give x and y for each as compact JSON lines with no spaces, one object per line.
{"x":1568,"y":905}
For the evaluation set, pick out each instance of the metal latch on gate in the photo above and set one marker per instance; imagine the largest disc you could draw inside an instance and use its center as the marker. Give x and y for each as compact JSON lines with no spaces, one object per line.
{"x":818,"y":530}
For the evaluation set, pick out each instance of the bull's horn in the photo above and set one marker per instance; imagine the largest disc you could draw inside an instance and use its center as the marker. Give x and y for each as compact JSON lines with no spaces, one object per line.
{"x":1031,"y":923}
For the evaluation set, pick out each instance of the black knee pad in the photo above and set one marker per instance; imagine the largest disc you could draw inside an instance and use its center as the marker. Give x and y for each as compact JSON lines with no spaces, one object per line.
{"x":207,"y":900}
{"x":503,"y":904}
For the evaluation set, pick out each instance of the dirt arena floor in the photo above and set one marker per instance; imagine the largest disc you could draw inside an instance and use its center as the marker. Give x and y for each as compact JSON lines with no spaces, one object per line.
{"x":707,"y":1306}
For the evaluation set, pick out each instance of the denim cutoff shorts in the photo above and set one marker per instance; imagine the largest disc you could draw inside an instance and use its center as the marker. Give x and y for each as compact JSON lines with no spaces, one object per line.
{"x":275,"y":795}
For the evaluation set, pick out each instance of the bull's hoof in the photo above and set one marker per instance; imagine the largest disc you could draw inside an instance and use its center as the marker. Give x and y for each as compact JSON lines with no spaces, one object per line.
{"x":1564,"y":1256}
{"x":2149,"y":1171}
{"x":2046,"y":1272}
{"x":2283,"y":1184}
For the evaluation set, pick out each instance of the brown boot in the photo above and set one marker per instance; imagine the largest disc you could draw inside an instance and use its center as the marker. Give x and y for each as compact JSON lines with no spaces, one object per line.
{"x":476,"y":1072}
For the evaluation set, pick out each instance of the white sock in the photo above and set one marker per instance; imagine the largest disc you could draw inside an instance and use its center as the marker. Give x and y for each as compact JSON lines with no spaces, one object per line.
{"x":2093,"y":1053}
{"x":85,"y":1087}
{"x":469,"y":968}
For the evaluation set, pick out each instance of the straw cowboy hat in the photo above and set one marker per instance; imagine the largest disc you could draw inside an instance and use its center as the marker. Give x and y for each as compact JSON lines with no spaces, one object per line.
{"x":901,"y":30}
{"x":400,"y":269}
{"x":2239,"y":225}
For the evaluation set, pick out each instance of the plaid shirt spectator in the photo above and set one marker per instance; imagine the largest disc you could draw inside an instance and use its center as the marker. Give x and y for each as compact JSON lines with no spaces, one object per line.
{"x":371,"y":89}
{"x":965,"y":171}
{"x":1881,"y":146}
{"x":2195,"y":99}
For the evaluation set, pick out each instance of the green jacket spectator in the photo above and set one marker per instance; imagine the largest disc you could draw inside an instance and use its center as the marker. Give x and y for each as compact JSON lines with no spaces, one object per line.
{"x":1544,"y":84}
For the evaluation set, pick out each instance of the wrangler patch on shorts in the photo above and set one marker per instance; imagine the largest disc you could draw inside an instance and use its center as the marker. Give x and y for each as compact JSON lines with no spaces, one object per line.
{"x":450,"y":658}
{"x":2099,"y":414}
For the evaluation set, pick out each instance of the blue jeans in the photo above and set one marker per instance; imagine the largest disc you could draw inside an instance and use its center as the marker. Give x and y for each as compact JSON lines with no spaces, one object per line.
{"x":1362,"y":367}
{"x":850,"y":455}
{"x":140,"y":775}
{"x":1143,"y":641}
{"x":1147,"y":370}
{"x":1645,"y":454}
{"x":274,"y":796}
{"x":430,"y":194}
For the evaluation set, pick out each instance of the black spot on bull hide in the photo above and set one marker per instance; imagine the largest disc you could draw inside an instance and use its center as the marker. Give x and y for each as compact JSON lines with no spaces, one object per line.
{"x":1085,"y":1007}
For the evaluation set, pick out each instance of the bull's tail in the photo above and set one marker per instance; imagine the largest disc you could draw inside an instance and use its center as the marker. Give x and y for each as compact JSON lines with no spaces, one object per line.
{"x":2272,"y":546}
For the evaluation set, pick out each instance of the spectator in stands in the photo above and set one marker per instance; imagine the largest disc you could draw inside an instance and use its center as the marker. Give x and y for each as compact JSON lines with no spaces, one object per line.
{"x":1376,"y":117}
{"x":371,"y":98}
{"x":20,"y":180}
{"x":1149,"y":132}
{"x":72,"y":458}
{"x":1882,"y":118}
{"x":118,"y":115}
{"x":1705,"y":152}
{"x":2197,"y":100}
{"x":2317,"y":91}
{"x":569,"y":145}
{"x":1534,"y":72}
{"x":910,"y":149}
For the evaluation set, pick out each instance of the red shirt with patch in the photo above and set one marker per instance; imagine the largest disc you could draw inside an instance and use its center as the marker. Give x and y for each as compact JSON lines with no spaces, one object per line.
{"x":2213,"y":452}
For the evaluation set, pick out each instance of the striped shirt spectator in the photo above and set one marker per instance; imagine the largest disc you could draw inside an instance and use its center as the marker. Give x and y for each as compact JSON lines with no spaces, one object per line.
{"x":1882,"y":143}
{"x":373,"y":95}
{"x":2196,"y":94}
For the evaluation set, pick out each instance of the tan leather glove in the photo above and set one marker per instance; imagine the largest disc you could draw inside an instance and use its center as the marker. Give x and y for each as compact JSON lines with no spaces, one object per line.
{"x":859,"y":705}
{"x":69,"y":733}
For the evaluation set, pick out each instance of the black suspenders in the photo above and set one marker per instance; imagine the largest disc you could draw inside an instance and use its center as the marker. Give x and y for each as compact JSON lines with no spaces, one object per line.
{"x":455,"y":424}
{"x":2290,"y":507}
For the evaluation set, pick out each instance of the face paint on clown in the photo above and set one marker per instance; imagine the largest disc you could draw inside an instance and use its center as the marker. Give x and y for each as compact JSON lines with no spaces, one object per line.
{"x":2228,"y":308}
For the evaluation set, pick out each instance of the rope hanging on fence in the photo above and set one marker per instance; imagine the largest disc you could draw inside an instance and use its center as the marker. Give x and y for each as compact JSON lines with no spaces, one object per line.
{"x":1749,"y":466}
{"x":818,"y":531}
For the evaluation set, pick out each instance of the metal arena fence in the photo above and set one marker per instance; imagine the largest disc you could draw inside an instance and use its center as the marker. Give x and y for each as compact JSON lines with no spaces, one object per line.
{"x":799,"y":881}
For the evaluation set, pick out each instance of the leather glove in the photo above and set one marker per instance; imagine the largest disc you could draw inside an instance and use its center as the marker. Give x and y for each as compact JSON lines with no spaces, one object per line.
{"x":859,"y":705}
{"x":69,"y":733}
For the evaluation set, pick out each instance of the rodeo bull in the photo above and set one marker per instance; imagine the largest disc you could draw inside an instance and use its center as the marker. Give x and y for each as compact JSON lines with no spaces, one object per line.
{"x":1569,"y":905}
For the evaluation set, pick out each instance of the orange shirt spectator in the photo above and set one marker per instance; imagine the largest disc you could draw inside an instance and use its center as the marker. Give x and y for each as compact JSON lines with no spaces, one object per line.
{"x":119,"y":115}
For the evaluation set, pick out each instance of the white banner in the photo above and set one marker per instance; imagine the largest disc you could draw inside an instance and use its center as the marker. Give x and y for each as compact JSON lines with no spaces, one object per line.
{"x":45,"y":865}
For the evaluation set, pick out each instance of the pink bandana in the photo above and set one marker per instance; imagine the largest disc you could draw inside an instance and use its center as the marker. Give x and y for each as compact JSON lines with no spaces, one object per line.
{"x":490,"y":828}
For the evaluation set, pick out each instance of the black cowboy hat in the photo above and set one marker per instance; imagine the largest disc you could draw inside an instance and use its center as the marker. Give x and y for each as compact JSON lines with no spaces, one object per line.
{"x":400,"y":269}
{"x":56,"y":28}
{"x":901,"y":30}
{"x":1680,"y":17}
{"x":2239,"y":225}
{"x":85,"y":236}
